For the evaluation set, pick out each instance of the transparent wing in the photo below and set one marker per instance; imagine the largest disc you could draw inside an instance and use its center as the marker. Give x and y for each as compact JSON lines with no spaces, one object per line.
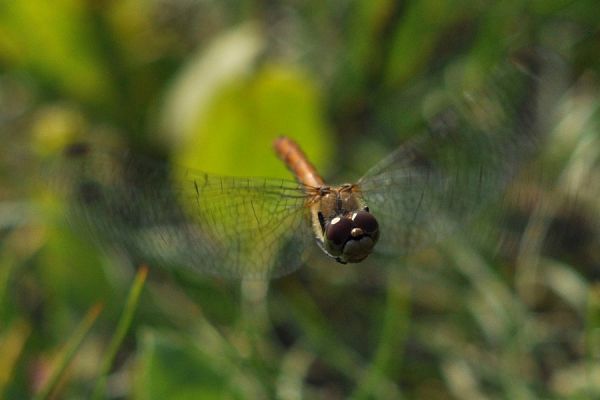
{"x":473,"y":146}
{"x":230,"y":227}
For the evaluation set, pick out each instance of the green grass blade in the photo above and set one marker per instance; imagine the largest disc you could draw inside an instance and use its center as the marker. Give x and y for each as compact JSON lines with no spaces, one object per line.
{"x":69,"y":351}
{"x":122,"y":328}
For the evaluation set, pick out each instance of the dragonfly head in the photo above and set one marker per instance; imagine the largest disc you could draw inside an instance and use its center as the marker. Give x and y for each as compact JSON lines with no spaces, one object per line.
{"x":351,"y":238}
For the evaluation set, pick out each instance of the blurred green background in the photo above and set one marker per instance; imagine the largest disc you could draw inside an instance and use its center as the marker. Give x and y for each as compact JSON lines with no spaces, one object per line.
{"x":209,"y":84}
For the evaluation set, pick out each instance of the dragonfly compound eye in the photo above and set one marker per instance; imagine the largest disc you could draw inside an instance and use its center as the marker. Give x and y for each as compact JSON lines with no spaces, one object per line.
{"x":338,"y":231}
{"x":365,"y":221}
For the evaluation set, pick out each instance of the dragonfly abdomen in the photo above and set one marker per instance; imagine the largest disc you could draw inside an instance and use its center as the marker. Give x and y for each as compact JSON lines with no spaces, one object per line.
{"x":293,"y":157}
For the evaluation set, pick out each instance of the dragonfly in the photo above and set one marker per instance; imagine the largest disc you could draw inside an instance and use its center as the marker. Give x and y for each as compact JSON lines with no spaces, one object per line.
{"x":264,"y":228}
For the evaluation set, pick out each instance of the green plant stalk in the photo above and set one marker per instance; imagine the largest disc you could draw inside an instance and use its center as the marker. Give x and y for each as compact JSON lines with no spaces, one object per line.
{"x":69,"y":351}
{"x":122,"y":328}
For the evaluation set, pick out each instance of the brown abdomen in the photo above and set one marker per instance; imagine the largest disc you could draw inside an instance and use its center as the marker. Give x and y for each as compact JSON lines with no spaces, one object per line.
{"x":293,"y":157}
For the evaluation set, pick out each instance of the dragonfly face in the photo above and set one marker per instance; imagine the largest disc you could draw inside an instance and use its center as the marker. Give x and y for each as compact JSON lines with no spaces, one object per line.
{"x":343,"y":225}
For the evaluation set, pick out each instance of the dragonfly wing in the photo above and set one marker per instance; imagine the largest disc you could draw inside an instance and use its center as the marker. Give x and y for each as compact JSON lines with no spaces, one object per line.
{"x":157,"y":213}
{"x":473,"y":146}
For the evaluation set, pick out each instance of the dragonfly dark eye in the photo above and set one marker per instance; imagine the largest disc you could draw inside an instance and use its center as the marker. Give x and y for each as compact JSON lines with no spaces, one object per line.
{"x":338,"y":231}
{"x":365,"y":221}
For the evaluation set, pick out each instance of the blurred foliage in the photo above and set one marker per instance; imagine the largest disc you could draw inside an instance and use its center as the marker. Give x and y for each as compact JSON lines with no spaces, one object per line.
{"x":209,"y":84}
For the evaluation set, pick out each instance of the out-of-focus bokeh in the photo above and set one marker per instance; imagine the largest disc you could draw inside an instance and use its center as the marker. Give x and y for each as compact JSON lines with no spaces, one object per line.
{"x":208,"y":85}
